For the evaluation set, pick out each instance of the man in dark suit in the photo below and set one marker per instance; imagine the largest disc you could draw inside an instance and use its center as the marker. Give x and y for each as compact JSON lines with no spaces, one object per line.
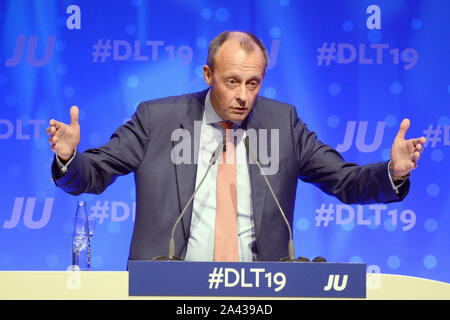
{"x":145,"y":145}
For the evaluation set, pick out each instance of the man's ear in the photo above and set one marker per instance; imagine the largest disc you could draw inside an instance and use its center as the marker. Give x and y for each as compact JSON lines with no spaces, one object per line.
{"x":207,"y":73}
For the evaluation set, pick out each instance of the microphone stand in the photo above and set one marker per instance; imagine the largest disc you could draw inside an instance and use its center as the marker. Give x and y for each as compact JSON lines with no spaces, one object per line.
{"x":171,"y":256}
{"x":291,"y":250}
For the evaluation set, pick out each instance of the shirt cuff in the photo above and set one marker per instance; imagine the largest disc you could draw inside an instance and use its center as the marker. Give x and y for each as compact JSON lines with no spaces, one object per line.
{"x":63,"y":167}
{"x":395,"y":187}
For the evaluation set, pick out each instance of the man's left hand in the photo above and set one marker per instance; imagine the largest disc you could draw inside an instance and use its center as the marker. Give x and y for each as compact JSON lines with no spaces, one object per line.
{"x":405,"y":153}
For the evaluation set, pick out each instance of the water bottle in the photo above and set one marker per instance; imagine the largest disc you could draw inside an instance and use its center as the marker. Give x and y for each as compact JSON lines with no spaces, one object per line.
{"x":80,"y":254}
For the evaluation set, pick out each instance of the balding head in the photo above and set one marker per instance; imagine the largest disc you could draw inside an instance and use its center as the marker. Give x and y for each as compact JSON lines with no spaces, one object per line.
{"x":246,"y":40}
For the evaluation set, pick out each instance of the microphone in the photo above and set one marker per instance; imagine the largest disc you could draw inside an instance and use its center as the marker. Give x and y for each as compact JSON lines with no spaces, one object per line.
{"x":316,"y":259}
{"x":171,"y":256}
{"x":291,"y":249}
{"x":254,"y":157}
{"x":319,"y":259}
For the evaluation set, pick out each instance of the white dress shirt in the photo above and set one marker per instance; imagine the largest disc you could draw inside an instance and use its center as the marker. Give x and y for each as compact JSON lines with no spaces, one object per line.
{"x":201,"y":237}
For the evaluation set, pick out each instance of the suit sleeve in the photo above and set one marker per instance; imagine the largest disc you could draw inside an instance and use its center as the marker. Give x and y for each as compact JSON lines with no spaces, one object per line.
{"x":324,"y":167}
{"x":95,"y":169}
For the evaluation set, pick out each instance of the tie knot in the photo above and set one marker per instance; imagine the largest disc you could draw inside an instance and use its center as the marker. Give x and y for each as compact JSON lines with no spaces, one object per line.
{"x":226,"y":125}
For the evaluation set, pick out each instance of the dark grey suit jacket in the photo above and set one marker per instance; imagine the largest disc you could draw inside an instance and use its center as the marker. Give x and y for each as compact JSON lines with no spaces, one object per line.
{"x":143,"y":146}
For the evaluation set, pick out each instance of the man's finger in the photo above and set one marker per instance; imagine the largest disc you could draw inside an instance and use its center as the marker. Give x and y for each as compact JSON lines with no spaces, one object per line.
{"x":403,"y":128}
{"x":74,"y":113}
{"x":56,"y":124}
{"x":418,"y":147}
{"x":51,"y":131}
{"x":420,"y":140}
{"x":61,"y":130}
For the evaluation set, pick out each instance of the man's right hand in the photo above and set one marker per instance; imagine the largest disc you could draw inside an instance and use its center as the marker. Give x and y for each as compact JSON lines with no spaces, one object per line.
{"x":65,"y":138}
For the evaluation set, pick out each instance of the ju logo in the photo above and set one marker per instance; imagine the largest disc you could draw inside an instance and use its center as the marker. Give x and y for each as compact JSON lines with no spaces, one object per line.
{"x":333,"y":283}
{"x":31,"y":51}
{"x":28,"y":213}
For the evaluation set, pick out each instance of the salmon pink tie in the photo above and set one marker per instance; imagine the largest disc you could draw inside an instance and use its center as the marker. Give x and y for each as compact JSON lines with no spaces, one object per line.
{"x":226,"y":233}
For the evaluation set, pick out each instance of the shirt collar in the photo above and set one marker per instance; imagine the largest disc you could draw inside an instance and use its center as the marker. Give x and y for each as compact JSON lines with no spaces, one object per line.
{"x":211,"y":116}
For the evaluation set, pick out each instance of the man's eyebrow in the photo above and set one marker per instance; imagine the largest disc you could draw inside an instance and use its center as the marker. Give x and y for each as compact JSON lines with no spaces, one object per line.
{"x":256,"y":77}
{"x":237,"y":76}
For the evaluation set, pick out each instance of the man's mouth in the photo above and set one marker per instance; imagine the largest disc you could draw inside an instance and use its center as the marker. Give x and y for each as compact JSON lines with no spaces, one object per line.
{"x":239,"y":110}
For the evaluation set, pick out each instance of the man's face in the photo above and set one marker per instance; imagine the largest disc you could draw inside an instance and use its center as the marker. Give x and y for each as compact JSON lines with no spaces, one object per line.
{"x":236,"y":80}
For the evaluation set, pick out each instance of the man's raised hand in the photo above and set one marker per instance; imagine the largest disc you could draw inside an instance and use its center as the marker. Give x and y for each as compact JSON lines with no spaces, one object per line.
{"x":405,"y":153}
{"x":65,"y":138}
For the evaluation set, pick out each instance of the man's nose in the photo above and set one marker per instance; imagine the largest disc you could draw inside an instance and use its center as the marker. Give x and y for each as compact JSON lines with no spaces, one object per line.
{"x":242,"y":95}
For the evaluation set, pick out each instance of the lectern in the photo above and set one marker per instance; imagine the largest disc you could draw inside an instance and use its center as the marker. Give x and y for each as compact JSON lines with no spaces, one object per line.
{"x":247,"y":279}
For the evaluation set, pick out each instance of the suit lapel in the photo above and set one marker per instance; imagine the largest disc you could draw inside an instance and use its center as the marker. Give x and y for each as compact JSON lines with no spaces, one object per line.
{"x":257,"y":182}
{"x":186,"y":172}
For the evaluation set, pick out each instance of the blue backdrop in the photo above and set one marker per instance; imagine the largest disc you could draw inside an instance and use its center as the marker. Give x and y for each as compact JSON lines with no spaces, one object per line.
{"x":352,"y":70}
